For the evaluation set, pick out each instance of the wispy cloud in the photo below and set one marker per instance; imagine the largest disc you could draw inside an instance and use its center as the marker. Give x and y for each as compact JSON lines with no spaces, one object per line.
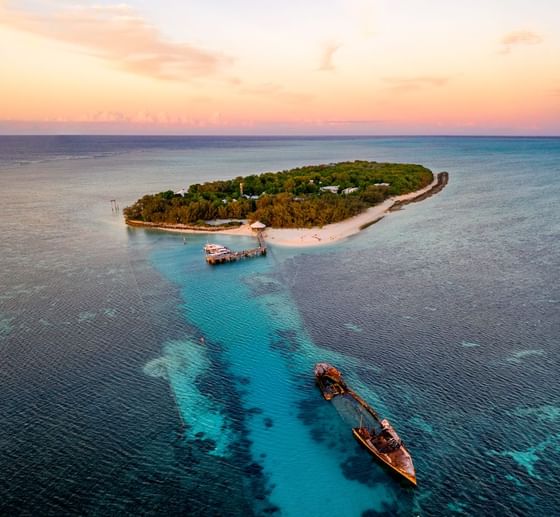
{"x":407,"y":84}
{"x":328,"y":52}
{"x":119,"y":35}
{"x":515,"y":38}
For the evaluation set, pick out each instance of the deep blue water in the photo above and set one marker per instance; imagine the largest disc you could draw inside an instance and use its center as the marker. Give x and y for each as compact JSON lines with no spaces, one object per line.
{"x":136,"y":379}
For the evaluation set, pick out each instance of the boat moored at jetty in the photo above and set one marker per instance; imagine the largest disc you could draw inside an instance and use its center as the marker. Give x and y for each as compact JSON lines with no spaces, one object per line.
{"x":379,"y":438}
{"x":218,"y":254}
{"x":216,"y":250}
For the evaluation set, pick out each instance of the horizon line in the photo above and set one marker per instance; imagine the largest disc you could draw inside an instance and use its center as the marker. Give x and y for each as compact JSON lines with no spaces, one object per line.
{"x":280,"y":135}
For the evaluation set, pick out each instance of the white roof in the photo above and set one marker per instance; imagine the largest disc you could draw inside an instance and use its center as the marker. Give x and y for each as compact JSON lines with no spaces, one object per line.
{"x":331,"y":188}
{"x":258,"y":224}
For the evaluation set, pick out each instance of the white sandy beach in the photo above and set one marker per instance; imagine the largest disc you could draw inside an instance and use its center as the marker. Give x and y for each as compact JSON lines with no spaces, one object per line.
{"x":334,"y":232}
{"x":328,"y":234}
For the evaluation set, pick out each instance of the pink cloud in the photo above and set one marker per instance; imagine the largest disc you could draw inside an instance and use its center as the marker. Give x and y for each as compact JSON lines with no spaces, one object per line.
{"x":327,"y":58}
{"x":522,"y":37}
{"x":120,"y":36}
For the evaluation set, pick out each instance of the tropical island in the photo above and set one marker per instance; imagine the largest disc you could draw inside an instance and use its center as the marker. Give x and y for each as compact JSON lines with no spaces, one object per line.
{"x":353,"y":193}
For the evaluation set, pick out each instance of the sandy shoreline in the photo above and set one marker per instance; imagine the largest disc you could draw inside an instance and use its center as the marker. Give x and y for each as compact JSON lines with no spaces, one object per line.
{"x":328,"y":234}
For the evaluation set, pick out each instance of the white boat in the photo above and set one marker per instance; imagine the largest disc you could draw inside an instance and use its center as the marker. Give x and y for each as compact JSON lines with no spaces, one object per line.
{"x":216,"y":250}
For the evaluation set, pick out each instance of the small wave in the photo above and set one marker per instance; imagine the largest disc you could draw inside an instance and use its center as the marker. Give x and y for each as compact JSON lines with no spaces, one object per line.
{"x":517,"y":357}
{"x":353,"y":328}
{"x":458,"y":507}
{"x":86,"y":316}
{"x":6,"y":325}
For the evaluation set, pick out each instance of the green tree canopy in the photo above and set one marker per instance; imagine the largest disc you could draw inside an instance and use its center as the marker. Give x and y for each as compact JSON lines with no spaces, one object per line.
{"x":293,"y":198}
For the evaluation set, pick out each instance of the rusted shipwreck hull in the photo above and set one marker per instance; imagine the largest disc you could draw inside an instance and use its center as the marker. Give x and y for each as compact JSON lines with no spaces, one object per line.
{"x":381,"y":440}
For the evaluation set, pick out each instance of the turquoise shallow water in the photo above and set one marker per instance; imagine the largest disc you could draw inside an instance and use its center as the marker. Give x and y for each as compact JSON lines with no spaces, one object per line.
{"x":248,"y":317}
{"x":136,"y":379}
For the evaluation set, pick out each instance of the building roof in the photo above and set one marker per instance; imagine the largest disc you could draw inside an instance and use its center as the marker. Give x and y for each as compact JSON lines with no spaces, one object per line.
{"x":331,"y":188}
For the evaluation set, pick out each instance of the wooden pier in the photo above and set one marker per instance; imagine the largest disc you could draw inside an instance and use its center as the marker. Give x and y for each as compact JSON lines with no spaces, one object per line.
{"x":239,"y":255}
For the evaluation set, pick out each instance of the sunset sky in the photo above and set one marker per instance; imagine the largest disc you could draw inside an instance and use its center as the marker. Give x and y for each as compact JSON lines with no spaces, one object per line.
{"x":290,"y":67}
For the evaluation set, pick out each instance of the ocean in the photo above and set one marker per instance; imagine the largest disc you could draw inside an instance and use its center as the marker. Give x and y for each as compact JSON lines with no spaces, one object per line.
{"x":135,"y":379}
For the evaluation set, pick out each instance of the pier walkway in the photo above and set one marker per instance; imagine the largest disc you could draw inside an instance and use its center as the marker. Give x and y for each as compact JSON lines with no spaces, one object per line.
{"x":222,"y":258}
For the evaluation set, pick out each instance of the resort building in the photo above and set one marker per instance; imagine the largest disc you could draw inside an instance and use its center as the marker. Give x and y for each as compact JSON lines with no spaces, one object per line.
{"x":333,"y":189}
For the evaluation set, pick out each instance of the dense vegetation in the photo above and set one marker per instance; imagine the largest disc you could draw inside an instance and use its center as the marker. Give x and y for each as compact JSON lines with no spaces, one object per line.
{"x":289,"y":199}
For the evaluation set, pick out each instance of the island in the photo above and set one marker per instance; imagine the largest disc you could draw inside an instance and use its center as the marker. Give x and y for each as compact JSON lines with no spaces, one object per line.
{"x":314,"y":204}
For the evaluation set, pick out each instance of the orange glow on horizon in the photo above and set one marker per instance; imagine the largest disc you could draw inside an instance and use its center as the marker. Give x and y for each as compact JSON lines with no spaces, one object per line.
{"x":112,"y":69}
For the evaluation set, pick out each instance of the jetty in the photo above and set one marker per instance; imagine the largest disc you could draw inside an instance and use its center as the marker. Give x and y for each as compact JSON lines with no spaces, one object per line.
{"x":217,"y":254}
